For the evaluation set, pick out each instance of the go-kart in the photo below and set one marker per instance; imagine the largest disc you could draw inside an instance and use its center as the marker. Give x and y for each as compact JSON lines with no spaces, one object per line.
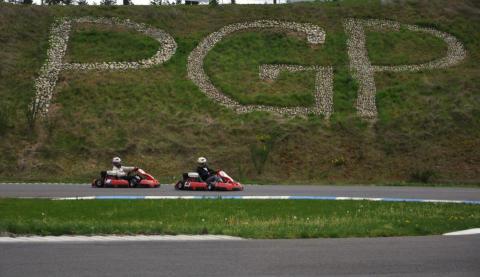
{"x":192,"y":181}
{"x":139,"y":178}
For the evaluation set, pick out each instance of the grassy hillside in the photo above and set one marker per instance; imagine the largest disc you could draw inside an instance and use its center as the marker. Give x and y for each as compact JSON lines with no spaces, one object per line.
{"x":428,"y":128}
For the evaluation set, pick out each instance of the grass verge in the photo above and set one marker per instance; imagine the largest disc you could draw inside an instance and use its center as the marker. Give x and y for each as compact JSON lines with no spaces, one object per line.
{"x":249,"y":219}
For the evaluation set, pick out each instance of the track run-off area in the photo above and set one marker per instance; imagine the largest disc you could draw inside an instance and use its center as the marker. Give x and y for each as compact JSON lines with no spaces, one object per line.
{"x":186,"y":255}
{"x":393,"y":256}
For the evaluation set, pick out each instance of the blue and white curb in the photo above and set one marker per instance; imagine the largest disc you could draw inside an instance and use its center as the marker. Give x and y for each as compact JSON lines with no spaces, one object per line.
{"x":223,"y":197}
{"x":38,"y":239}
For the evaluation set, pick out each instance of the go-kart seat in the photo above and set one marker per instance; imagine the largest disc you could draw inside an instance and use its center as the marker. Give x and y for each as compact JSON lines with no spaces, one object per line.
{"x":188,"y":175}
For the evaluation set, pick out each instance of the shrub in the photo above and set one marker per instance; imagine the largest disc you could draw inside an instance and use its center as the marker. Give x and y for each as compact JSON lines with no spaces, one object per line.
{"x":4,"y":120}
{"x":422,"y":176}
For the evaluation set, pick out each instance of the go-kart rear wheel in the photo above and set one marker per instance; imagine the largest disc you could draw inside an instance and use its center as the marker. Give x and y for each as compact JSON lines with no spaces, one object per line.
{"x":98,"y":183}
{"x":132,"y":183}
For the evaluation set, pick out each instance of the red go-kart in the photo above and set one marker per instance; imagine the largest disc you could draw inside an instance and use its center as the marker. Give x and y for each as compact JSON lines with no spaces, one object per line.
{"x":140,"y":178}
{"x":192,"y":181}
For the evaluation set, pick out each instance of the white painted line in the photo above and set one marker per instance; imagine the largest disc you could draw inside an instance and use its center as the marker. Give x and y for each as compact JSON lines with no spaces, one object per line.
{"x":73,"y":198}
{"x":442,"y":201}
{"x":474,"y":231}
{"x":116,"y":238}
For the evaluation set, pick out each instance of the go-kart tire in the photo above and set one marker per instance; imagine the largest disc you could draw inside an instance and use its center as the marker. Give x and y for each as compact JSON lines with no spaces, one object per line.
{"x":98,"y":183}
{"x":132,"y":184}
{"x":179,"y":185}
{"x":210,"y":187}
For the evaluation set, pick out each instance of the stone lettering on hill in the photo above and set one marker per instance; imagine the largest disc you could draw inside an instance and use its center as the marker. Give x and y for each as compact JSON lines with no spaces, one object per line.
{"x":59,"y":35}
{"x":324,"y":75}
{"x":362,"y":69}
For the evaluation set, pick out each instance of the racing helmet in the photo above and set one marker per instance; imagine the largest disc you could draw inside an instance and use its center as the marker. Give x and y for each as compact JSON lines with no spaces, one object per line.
{"x":117,"y":161}
{"x":202,"y":161}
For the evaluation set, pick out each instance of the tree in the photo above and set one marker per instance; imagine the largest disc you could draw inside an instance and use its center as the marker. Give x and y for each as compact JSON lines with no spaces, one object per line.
{"x":27,"y":2}
{"x":233,"y":2}
{"x":213,"y":3}
{"x":156,"y":2}
{"x":126,"y":2}
{"x":82,"y":2}
{"x":108,"y":2}
{"x":58,"y":2}
{"x":53,"y":2}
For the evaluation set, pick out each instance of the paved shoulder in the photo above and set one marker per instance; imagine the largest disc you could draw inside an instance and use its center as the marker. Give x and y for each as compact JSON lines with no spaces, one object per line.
{"x":407,"y":256}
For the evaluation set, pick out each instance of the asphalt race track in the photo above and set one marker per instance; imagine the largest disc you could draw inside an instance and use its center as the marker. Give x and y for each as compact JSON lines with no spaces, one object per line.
{"x":407,"y":256}
{"x":73,"y":190}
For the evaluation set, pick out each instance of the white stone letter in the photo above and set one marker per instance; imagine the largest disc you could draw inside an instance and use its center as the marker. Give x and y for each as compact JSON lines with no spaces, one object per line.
{"x":364,"y":71}
{"x":59,"y":35}
{"x":323,"y":81}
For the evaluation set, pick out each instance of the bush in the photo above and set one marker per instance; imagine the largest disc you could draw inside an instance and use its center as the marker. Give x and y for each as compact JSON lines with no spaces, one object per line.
{"x":4,"y":120}
{"x":422,"y":176}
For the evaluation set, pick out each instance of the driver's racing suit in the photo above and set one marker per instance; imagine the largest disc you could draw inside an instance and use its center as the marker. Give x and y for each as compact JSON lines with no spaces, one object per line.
{"x":122,"y":173}
{"x":208,"y":175}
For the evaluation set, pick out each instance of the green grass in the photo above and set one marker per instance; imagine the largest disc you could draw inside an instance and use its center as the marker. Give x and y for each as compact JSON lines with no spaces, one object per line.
{"x":157,"y":119}
{"x":403,"y":47}
{"x":249,"y":219}
{"x":234,"y":67}
{"x":97,"y":43}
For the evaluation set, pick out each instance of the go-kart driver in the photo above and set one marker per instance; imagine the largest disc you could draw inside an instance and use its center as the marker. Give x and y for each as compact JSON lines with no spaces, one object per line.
{"x":207,"y":174}
{"x":122,"y":171}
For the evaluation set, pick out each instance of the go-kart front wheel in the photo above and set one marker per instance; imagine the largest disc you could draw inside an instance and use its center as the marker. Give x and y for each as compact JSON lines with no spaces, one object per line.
{"x":179,"y":185}
{"x":98,"y":183}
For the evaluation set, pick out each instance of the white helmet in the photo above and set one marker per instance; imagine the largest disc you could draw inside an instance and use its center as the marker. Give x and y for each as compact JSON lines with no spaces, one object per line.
{"x":202,"y":160}
{"x":116,"y":160}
